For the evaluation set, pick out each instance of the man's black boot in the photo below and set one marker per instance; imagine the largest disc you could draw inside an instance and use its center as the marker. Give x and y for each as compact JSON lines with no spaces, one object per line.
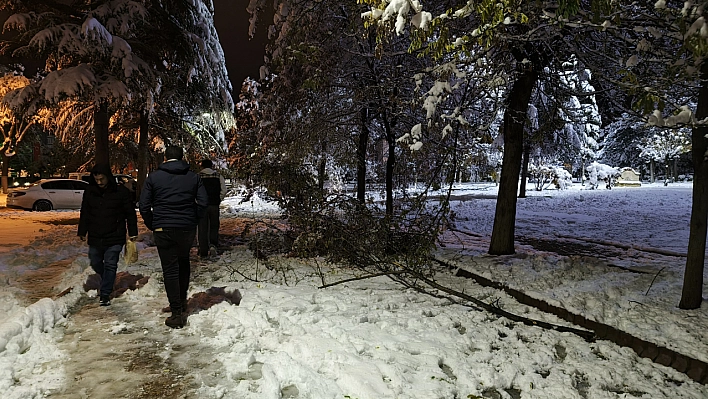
{"x":177,"y":320}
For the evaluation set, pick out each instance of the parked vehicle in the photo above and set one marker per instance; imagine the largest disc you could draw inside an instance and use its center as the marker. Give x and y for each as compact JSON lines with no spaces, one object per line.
{"x":48,"y":194}
{"x":126,"y":180}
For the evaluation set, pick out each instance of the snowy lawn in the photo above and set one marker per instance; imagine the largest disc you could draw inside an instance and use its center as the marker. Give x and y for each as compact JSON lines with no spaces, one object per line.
{"x":372,"y":338}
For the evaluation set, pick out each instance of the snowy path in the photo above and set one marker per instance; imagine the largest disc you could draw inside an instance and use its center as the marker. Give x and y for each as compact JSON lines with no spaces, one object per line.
{"x":363,"y":339}
{"x":102,"y":341}
{"x":129,"y":339}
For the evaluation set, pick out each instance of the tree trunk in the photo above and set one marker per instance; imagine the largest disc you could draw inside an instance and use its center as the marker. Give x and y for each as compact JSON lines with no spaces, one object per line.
{"x":142,"y":165}
{"x":100,"y":129}
{"x":502,"y":240}
{"x":582,"y":172}
{"x":524,"y":172}
{"x":390,"y":163}
{"x":5,"y":171}
{"x":361,"y":158}
{"x":322,"y":167}
{"x":5,"y":159}
{"x":651,"y":171}
{"x":692,"y":293}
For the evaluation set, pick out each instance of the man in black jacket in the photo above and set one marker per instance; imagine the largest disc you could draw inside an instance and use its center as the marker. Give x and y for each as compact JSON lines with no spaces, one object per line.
{"x":208,"y":232}
{"x":172,"y":202}
{"x":106,"y":210}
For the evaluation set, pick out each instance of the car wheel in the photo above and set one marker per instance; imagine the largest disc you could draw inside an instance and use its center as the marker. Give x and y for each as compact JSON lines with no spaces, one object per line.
{"x":42,"y":206}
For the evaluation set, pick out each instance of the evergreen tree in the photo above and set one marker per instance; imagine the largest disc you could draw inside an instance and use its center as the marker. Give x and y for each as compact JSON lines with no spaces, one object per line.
{"x":14,"y":123}
{"x":125,"y":58}
{"x":89,"y":58}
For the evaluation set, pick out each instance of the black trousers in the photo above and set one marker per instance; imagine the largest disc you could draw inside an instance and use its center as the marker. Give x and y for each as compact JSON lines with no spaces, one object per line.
{"x":173,"y":246}
{"x":209,"y":230}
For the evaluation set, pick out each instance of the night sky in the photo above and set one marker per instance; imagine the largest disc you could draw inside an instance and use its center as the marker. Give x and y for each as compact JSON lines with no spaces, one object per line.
{"x":244,"y":57}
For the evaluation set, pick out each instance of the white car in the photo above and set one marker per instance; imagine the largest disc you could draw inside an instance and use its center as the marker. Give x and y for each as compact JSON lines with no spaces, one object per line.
{"x":48,"y":194}
{"x":127,"y":180}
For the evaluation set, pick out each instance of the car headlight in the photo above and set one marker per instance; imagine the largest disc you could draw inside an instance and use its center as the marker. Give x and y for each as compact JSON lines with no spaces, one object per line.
{"x":16,"y":194}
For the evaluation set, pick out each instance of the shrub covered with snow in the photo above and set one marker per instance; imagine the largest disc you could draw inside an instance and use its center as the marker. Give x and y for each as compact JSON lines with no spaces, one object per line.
{"x":545,"y":175}
{"x":597,"y":172}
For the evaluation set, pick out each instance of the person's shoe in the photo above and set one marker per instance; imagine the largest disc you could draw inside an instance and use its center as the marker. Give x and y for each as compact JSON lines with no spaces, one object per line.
{"x":168,"y":309}
{"x":212,"y":251}
{"x":177,"y":320}
{"x":104,"y":301}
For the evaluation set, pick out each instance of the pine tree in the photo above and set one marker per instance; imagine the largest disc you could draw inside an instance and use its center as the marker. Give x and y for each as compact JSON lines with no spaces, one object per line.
{"x":14,"y":123}
{"x":125,"y":58}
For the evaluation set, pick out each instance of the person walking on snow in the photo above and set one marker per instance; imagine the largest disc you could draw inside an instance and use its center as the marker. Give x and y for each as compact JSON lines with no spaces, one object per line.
{"x":107,"y":214}
{"x":172,"y":202}
{"x":208,"y":232}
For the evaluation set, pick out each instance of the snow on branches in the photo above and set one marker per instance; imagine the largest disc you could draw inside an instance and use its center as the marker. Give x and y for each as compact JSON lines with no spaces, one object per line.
{"x":399,"y":9}
{"x":600,"y":172}
{"x":545,"y":175}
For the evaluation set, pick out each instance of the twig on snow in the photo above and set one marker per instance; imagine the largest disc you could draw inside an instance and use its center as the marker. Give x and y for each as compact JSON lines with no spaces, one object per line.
{"x":652,"y":280}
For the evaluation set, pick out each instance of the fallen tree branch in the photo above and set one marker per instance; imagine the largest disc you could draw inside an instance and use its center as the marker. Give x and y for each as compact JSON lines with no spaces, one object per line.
{"x":363,"y":278}
{"x":465,"y":232}
{"x":585,"y":334}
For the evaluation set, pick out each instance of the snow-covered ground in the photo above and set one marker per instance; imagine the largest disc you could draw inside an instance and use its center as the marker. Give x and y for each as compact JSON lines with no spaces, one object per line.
{"x":371,"y":338}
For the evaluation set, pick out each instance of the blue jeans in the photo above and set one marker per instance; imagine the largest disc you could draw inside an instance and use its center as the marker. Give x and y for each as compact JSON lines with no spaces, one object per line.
{"x":104,"y":261}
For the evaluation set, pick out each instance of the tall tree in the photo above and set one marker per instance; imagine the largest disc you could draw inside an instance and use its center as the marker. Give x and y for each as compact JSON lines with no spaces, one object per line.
{"x":103,"y":57}
{"x":692,"y":292}
{"x":514,"y":37}
{"x":665,"y":70}
{"x":14,"y":123}
{"x":88,"y":56}
{"x":345,"y":93}
{"x":645,"y":48}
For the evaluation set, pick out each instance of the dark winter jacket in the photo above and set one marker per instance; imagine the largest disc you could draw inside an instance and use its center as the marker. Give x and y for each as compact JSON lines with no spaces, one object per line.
{"x":214,"y":185}
{"x":172,"y":197}
{"x":105,"y":213}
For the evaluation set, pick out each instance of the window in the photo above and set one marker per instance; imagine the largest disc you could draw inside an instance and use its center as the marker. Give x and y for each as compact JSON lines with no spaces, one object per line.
{"x":58,"y":185}
{"x":50,"y":185}
{"x":65,"y":185}
{"x":79,"y":185}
